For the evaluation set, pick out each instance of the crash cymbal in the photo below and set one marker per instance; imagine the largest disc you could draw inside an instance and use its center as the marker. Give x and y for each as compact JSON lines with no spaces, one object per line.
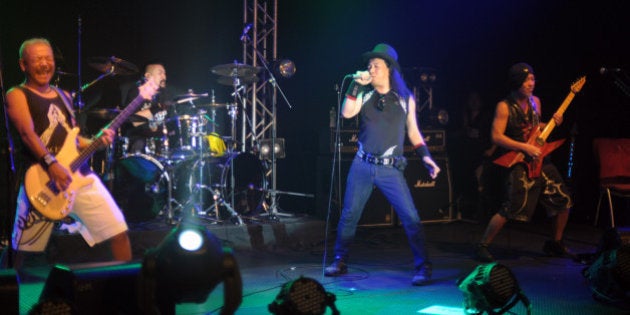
{"x":239,"y":70}
{"x":112,"y":64}
{"x":190,"y":96}
{"x":241,"y":81}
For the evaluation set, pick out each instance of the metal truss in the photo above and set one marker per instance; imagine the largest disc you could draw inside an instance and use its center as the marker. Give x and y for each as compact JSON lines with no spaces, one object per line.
{"x":259,"y":111}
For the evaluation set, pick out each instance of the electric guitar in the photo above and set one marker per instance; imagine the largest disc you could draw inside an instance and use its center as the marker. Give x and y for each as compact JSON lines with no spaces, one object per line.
{"x":539,"y":138}
{"x":42,"y":191}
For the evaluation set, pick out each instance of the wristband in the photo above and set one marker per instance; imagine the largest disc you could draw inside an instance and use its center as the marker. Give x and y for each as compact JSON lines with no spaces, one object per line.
{"x":47,"y":160}
{"x":422,"y":151}
{"x":353,"y":90}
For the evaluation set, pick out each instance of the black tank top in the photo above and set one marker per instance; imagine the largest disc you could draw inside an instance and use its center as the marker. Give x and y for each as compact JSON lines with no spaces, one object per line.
{"x":383,"y":122}
{"x":519,"y":124}
{"x":51,"y":120}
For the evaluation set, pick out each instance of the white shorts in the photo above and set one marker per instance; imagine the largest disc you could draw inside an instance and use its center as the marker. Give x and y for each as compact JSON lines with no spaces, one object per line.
{"x":95,"y":210}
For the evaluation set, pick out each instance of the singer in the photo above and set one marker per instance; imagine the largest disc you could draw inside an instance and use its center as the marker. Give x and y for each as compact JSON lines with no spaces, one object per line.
{"x":387,"y":110}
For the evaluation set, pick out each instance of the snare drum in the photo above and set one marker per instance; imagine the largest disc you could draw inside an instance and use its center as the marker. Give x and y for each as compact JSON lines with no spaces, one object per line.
{"x":187,"y":136}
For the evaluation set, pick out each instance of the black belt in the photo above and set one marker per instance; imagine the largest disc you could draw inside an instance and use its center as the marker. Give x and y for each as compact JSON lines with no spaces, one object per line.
{"x":367,"y":157}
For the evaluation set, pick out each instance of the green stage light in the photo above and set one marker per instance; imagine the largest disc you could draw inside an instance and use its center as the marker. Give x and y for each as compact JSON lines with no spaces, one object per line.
{"x":491,"y":288}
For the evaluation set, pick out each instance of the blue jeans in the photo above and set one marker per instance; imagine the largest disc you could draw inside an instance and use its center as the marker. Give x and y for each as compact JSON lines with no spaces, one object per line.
{"x":391,"y":181}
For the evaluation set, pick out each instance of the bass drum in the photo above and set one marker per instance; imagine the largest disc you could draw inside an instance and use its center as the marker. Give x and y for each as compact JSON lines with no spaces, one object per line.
{"x":141,"y":187}
{"x":244,"y":182}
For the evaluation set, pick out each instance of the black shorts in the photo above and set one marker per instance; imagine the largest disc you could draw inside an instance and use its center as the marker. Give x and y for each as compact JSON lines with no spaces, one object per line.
{"x":518,"y":195}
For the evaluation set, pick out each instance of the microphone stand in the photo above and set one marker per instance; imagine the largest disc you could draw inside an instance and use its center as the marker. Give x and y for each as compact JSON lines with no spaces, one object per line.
{"x":273,"y":208}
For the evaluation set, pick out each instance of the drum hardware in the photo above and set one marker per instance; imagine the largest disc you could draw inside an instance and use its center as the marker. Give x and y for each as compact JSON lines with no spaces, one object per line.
{"x":195,"y":204}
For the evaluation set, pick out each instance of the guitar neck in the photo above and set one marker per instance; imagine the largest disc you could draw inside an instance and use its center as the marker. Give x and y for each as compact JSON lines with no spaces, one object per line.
{"x":552,"y":123}
{"x":114,"y":124}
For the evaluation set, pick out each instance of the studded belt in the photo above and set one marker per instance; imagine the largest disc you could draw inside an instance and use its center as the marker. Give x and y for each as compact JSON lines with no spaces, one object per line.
{"x":372,"y":159}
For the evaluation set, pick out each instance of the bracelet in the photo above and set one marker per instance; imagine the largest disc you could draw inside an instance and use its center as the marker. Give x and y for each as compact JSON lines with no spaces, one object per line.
{"x":422,"y":151}
{"x":47,"y":160}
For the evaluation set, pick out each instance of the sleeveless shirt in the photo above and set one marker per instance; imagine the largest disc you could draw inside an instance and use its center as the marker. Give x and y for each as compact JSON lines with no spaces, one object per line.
{"x":51,"y":121}
{"x":382,"y":124}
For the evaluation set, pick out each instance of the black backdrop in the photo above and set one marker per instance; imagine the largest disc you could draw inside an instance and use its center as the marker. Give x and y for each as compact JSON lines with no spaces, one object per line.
{"x":469,"y":43}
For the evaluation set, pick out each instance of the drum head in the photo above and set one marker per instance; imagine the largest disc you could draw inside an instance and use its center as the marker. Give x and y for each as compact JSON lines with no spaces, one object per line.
{"x":139,"y":187}
{"x":244,"y":180}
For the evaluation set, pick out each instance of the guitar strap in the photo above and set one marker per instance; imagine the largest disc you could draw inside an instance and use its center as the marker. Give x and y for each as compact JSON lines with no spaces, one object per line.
{"x":66,"y":100}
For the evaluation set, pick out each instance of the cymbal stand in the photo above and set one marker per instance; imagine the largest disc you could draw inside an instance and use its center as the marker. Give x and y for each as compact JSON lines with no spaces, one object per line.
{"x":169,"y":175}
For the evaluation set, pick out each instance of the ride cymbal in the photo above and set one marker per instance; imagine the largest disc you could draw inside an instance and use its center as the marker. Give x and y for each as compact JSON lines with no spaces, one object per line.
{"x":112,"y":65}
{"x":229,"y":81}
{"x":239,"y":70}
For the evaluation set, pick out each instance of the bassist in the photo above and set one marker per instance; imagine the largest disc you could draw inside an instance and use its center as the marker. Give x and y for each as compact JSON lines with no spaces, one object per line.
{"x":42,"y":117}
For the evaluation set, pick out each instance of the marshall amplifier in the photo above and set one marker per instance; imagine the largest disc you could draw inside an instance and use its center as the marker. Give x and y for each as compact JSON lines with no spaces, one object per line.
{"x":348,"y":139}
{"x":433,"y":198}
{"x":434,"y":138}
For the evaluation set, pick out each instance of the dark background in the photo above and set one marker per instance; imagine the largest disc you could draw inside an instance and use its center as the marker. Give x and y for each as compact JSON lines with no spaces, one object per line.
{"x":470,"y":45}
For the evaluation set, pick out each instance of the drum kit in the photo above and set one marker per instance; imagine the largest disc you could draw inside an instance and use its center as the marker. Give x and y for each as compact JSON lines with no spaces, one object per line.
{"x":184,"y":168}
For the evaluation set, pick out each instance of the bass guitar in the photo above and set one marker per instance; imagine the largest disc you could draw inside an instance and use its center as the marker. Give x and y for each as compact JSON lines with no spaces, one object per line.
{"x":42,"y":191}
{"x":539,"y":138}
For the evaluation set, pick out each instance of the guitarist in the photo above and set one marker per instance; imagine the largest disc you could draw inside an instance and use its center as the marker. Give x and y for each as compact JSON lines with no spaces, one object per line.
{"x":516,"y":116}
{"x":41,"y":115}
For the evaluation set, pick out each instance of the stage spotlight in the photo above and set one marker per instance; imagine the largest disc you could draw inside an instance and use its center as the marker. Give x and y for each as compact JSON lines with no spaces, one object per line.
{"x":303,"y":296}
{"x":185,"y":267}
{"x":491,"y":288}
{"x":285,"y":68}
{"x":609,"y":276}
{"x":265,"y":149}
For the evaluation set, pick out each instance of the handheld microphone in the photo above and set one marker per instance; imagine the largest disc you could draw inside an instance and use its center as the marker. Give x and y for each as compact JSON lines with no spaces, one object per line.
{"x":360,"y":75}
{"x":245,"y":31}
{"x":604,"y":70}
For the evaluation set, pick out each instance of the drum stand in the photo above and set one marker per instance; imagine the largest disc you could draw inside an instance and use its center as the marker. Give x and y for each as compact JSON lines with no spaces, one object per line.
{"x":197,"y":190}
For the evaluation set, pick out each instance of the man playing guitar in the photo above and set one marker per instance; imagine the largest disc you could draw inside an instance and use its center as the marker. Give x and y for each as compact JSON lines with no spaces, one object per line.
{"x":42,"y":118}
{"x":517,"y":116}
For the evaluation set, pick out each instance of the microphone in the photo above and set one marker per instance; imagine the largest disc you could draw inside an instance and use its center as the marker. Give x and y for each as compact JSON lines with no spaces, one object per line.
{"x":245,"y":31}
{"x":604,"y":70}
{"x":360,"y":75}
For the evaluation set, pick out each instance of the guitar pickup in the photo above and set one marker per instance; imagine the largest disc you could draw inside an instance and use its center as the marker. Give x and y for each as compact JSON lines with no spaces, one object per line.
{"x":42,"y":198}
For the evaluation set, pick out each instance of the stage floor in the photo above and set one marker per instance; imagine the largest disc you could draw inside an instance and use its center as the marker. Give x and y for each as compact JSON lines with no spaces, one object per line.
{"x":379,"y":278}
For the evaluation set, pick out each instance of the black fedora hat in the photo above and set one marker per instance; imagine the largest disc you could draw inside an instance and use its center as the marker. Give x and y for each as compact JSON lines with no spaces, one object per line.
{"x":385,"y":52}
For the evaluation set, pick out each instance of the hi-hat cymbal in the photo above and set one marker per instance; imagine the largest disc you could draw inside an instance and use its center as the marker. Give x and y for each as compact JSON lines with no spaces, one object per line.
{"x":239,"y":70}
{"x":112,"y":64}
{"x":241,"y":81}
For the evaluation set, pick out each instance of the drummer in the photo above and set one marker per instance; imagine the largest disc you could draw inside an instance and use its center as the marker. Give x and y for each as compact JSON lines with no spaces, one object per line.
{"x":152,"y":113}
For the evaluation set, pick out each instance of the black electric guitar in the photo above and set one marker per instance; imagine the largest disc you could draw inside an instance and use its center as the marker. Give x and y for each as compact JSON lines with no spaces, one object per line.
{"x":43,"y":193}
{"x":539,"y":138}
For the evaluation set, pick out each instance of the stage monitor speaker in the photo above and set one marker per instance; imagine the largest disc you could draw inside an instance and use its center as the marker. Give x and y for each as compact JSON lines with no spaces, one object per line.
{"x":377,"y":212}
{"x":93,"y":288}
{"x":9,"y":292}
{"x":433,"y":198}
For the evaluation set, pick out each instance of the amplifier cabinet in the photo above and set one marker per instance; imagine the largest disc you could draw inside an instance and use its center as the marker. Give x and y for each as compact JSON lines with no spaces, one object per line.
{"x":435,"y":140}
{"x":433,"y":198}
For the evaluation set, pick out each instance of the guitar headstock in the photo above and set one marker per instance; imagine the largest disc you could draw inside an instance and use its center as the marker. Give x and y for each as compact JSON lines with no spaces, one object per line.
{"x":577,"y":85}
{"x":148,"y":89}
